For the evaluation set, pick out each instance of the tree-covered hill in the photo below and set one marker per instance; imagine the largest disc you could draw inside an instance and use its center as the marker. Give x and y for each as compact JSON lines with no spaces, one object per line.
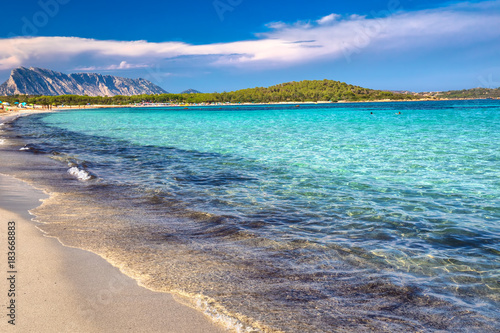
{"x":311,"y":91}
{"x":471,"y":93}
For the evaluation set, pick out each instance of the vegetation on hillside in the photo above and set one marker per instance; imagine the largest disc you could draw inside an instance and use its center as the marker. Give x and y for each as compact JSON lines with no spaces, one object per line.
{"x":471,"y":93}
{"x":304,"y":91}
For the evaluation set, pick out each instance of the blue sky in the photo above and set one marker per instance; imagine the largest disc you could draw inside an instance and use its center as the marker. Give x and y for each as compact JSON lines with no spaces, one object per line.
{"x":223,"y":45}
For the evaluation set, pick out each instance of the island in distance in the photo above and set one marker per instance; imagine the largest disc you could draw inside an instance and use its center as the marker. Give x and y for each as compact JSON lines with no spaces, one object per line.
{"x":191,"y":91}
{"x":39,"y":81}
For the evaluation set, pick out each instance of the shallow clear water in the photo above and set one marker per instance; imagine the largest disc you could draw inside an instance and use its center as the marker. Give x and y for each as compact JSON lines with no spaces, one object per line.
{"x":318,"y":218}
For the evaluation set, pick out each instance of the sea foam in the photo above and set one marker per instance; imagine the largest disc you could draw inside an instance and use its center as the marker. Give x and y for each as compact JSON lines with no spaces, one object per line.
{"x":81,"y":174}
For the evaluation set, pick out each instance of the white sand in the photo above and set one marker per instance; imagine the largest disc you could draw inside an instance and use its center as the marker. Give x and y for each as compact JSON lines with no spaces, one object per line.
{"x":62,"y":289}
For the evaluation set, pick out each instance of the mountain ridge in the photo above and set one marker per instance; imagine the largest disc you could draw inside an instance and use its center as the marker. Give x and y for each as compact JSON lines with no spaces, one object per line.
{"x":191,"y":91}
{"x":40,"y":81}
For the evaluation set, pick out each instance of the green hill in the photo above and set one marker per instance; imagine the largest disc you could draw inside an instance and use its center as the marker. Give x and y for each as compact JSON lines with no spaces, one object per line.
{"x":470,"y":93}
{"x":310,"y":91}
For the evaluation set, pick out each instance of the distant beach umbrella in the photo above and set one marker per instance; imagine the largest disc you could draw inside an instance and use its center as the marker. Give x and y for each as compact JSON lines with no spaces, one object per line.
{"x":16,"y":102}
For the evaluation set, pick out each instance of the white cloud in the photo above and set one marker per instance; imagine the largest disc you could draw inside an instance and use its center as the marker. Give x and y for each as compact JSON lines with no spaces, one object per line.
{"x":356,"y":17}
{"x":121,"y":65}
{"x":125,"y":65}
{"x":276,"y":25}
{"x":328,"y":19}
{"x":284,"y":45}
{"x":8,"y":62}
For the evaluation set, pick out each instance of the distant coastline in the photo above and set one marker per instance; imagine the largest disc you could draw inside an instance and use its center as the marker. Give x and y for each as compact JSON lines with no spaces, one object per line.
{"x":12,"y":105}
{"x":316,"y":91}
{"x":37,"y":108}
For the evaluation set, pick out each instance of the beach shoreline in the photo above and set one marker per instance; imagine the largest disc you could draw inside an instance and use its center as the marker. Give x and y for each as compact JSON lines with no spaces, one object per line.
{"x":14,"y":110}
{"x":63,"y":289}
{"x":56,"y":288}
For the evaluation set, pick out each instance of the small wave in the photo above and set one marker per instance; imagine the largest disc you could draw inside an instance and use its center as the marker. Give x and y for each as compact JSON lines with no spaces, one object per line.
{"x":77,"y":168}
{"x":32,"y":148}
{"x":237,"y":323}
{"x":81,"y":174}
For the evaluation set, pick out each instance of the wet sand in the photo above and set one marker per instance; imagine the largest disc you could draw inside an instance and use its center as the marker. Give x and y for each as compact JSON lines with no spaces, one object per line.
{"x":63,"y":289}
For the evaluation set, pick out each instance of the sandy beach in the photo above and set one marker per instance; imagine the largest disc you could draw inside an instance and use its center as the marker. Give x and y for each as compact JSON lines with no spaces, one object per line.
{"x":62,"y":289}
{"x":55,"y":288}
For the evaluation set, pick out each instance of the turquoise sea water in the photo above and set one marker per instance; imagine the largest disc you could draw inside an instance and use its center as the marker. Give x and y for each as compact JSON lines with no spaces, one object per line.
{"x":318,"y":218}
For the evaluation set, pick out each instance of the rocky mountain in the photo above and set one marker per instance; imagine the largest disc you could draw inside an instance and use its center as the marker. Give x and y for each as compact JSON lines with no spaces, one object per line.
{"x":191,"y":91}
{"x":38,"y":81}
